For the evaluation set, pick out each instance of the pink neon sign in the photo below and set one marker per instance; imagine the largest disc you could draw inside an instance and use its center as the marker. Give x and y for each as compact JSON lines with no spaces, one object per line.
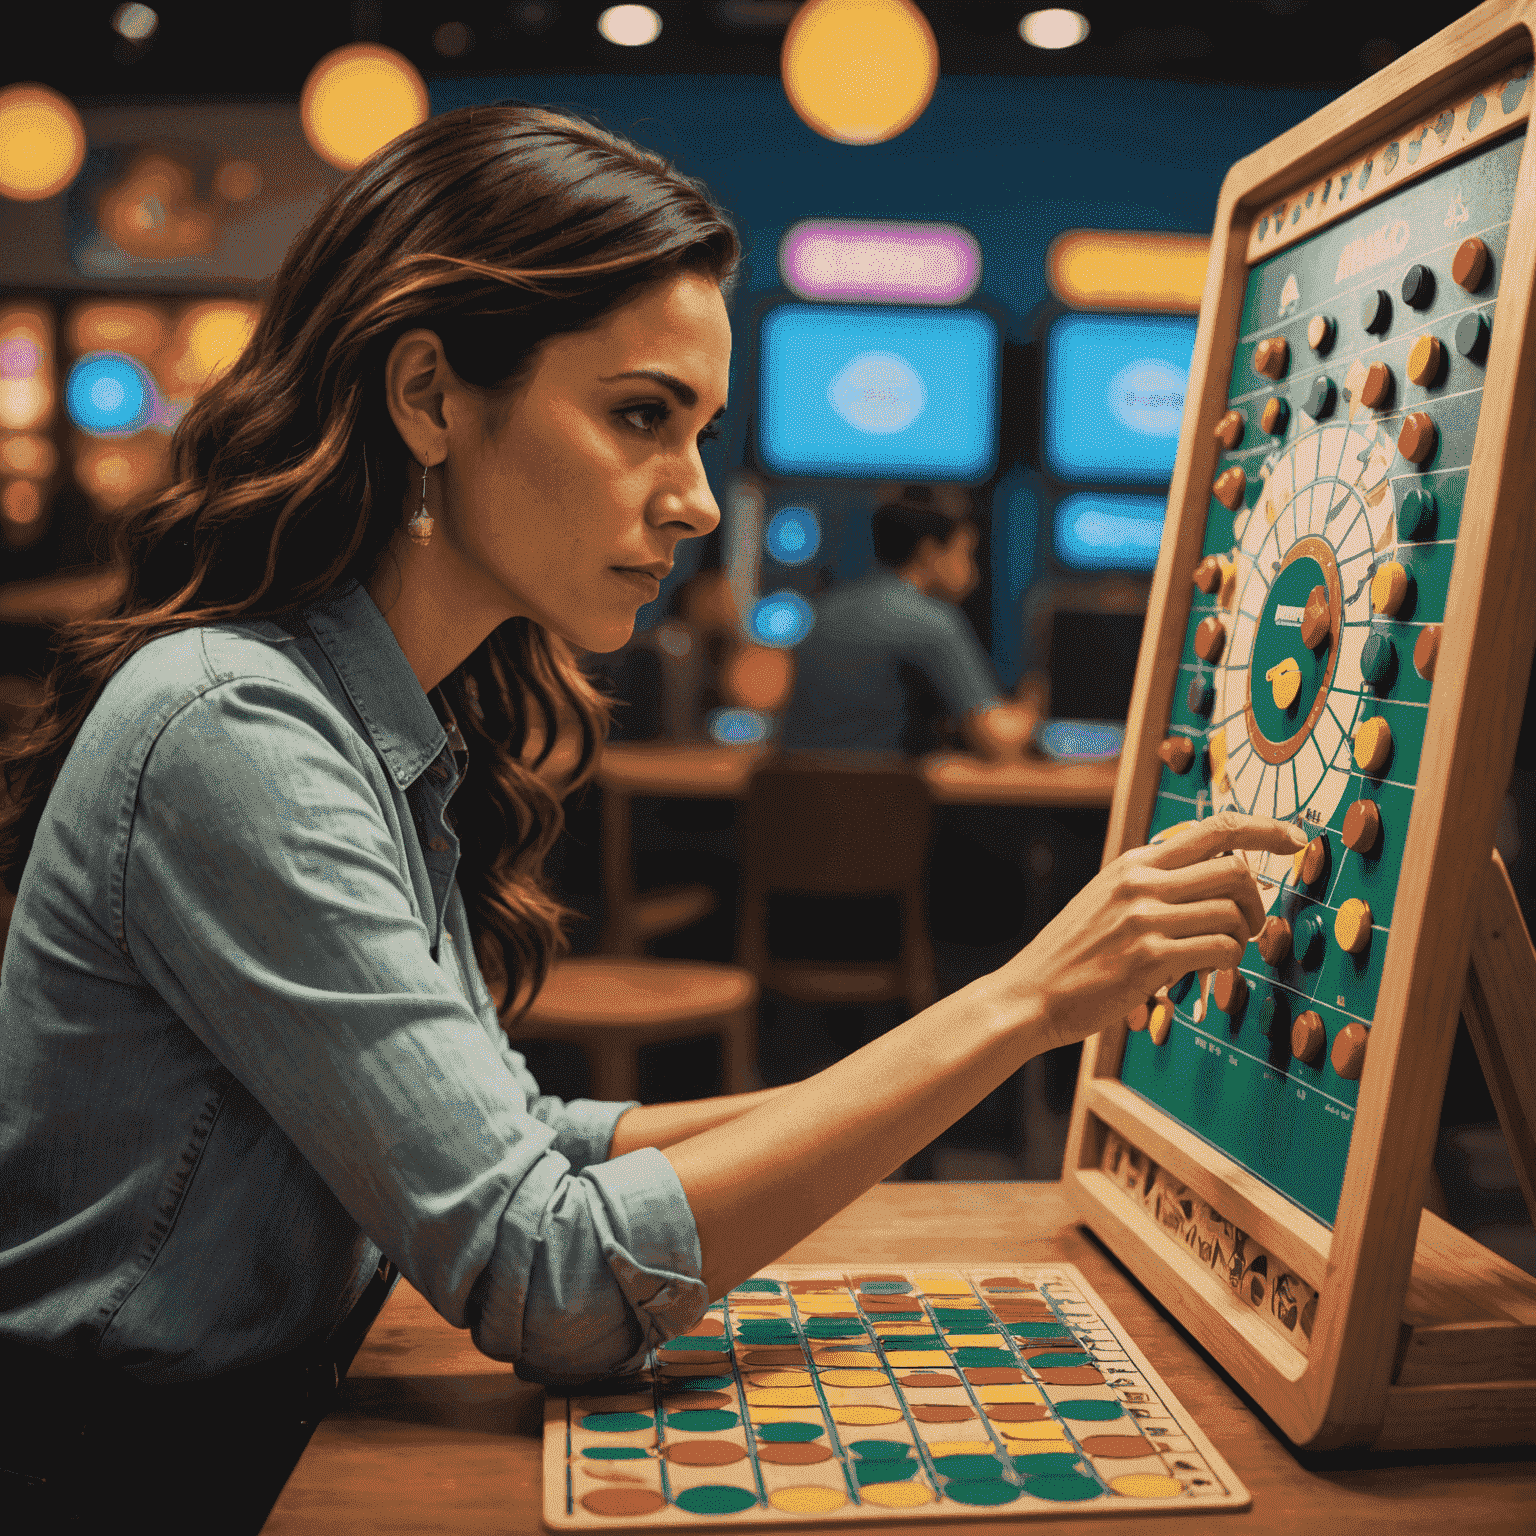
{"x":900,"y":263}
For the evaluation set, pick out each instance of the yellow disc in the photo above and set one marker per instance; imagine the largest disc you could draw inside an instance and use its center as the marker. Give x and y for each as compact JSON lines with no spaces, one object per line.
{"x":1424,"y":360}
{"x":895,"y":1330}
{"x":848,"y":1357}
{"x":1146,"y":1485}
{"x":1018,"y":1445}
{"x":822,"y":1306}
{"x":941,"y":1284}
{"x":910,"y":1357}
{"x":780,"y":1378}
{"x":778,"y":1415}
{"x":1284,"y":679}
{"x":864,"y":1413}
{"x":942,"y":1447}
{"x":1373,"y":745}
{"x":856,"y":1378}
{"x":1216,"y":753}
{"x":1389,"y":586}
{"x":974,"y":1340}
{"x":1160,"y":1021}
{"x":896,"y":1495}
{"x":1009,"y":1394}
{"x":1352,"y":927}
{"x":772,"y":1309}
{"x":808,"y":1499}
{"x":784,"y":1397}
{"x":1041,"y":1429}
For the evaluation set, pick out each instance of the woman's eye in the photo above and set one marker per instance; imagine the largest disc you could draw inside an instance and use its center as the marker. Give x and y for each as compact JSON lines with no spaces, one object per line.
{"x":645,"y":418}
{"x":710,"y":434}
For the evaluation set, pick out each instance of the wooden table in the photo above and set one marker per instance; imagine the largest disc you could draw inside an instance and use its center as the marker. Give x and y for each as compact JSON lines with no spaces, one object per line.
{"x":432,"y":1436}
{"x":690,"y":771}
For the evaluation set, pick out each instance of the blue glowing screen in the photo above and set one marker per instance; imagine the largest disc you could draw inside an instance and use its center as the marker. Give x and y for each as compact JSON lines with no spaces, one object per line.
{"x":1114,"y":395}
{"x":108,"y":394}
{"x":794,"y":535}
{"x":737,"y":727}
{"x":1102,"y":531}
{"x":782,"y":618}
{"x":875,"y":392}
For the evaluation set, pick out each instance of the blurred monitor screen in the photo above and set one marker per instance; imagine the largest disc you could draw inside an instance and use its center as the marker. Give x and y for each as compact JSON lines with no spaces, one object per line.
{"x":1093,"y":663}
{"x":1114,"y":394}
{"x":1108,"y":531}
{"x":878,"y":393}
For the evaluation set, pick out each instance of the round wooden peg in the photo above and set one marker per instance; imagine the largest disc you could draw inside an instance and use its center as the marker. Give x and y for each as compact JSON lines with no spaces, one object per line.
{"x":1178,"y":752}
{"x":1362,"y":826}
{"x":1160,"y":1021}
{"x":1308,"y":1037}
{"x":1272,"y":357}
{"x":1373,"y":745}
{"x":1284,"y":679}
{"x":1210,"y":638}
{"x":1230,"y":487}
{"x":1316,"y":620}
{"x":1208,"y":575}
{"x":1276,"y":415}
{"x":1229,"y":990}
{"x":1419,"y":437}
{"x":1349,"y":1050}
{"x":1352,"y":927}
{"x":1425,"y":360}
{"x":1469,"y":266}
{"x":1425,"y":649}
{"x":1376,"y":390}
{"x":1229,"y":430}
{"x":1274,"y":941}
{"x":1389,"y":587}
{"x":1313,"y":860}
{"x":1320,"y":333}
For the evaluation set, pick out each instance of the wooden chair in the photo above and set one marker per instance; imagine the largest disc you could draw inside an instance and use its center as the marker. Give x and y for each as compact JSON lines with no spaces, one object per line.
{"x":825,"y":824}
{"x":609,"y":1006}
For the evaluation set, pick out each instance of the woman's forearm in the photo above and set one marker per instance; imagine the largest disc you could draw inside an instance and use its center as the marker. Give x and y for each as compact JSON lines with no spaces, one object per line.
{"x":759,"y":1184}
{"x":662,"y":1125}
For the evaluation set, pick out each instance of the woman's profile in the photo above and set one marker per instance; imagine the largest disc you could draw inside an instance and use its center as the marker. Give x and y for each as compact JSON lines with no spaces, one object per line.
{"x":276,"y":838}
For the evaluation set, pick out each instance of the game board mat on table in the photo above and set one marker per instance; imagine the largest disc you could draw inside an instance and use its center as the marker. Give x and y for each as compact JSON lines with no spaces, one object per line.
{"x":819,"y":1395}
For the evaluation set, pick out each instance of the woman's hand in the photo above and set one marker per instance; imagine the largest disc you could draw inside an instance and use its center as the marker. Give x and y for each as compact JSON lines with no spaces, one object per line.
{"x":1153,"y":915}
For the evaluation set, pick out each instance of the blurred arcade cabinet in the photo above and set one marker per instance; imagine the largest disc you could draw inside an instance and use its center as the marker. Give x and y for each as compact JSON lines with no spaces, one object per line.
{"x":873,"y":368}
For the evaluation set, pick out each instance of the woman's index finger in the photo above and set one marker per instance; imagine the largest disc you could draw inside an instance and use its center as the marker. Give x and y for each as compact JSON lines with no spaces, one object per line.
{"x":1191,"y":841}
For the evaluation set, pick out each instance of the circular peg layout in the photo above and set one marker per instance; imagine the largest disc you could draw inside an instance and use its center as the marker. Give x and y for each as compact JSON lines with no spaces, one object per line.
{"x":1308,"y":1038}
{"x":1362,"y":826}
{"x":1425,"y":649}
{"x":1426,"y":360}
{"x":1352,"y":926}
{"x":1349,"y":1050}
{"x":1230,"y":429}
{"x":1469,"y":266}
{"x":1373,"y":745}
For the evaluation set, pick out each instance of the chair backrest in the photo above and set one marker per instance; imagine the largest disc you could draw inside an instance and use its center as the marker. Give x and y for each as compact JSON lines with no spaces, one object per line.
{"x":836,"y":824}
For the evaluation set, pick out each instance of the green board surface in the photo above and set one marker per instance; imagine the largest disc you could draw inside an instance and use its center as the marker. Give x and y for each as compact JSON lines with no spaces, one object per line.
{"x":1327,"y":489}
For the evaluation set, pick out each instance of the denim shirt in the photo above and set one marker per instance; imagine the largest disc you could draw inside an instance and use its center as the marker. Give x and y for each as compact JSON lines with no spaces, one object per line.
{"x":245,"y":1046}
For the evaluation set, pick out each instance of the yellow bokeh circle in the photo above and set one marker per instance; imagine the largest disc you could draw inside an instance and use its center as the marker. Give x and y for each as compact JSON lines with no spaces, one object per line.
{"x":859,"y":71}
{"x":357,"y":99}
{"x":42,"y":142}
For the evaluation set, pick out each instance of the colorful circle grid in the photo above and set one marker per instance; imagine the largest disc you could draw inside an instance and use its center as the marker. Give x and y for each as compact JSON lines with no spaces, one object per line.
{"x":841,"y":1395}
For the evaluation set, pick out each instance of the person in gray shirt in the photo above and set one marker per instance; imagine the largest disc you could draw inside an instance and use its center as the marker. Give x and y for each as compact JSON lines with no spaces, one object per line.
{"x":891,"y":653}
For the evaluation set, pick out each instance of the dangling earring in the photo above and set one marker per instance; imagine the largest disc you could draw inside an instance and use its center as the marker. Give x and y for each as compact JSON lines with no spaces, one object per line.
{"x":420,"y":526}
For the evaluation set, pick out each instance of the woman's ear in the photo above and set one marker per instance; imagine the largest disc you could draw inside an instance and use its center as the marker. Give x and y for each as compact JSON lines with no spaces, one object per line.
{"x":417,"y":383}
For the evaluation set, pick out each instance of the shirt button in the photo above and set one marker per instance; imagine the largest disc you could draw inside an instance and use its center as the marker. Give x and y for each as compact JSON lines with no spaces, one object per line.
{"x":438,"y":844}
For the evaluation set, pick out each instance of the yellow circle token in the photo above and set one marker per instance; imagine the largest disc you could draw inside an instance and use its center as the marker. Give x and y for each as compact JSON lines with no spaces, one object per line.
{"x":1373,"y":745}
{"x":896,"y":1495}
{"x":1160,"y":1021}
{"x":1352,"y":927}
{"x":808,"y":1499}
{"x":1146,"y":1485}
{"x":1389,"y":586}
{"x":864,"y":1413}
{"x":856,"y":1378}
{"x":1284,"y":679}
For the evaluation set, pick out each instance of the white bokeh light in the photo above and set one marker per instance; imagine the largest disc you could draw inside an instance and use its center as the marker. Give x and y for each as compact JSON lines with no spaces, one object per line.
{"x":1053,"y":29}
{"x":630,"y":26}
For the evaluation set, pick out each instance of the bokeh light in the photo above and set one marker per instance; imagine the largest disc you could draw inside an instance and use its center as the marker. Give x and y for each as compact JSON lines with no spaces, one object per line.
{"x":782,"y":618}
{"x":737,"y":727}
{"x":759,"y":677}
{"x":26,"y":370}
{"x":42,"y":143}
{"x":135,"y":22}
{"x":630,"y":26}
{"x":357,"y":99}
{"x":793,"y":536}
{"x":1055,"y":28}
{"x":209,"y":337}
{"x":108,"y":394}
{"x":859,"y":71}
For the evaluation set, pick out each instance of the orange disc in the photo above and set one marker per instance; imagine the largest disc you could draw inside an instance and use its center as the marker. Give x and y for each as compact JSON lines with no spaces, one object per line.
{"x":759,"y":677}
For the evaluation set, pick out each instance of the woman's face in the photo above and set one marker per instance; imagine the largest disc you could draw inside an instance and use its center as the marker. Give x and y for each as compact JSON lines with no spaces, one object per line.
{"x":566,"y":505}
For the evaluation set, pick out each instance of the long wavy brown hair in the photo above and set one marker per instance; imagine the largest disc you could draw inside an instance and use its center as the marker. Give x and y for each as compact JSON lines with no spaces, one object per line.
{"x":497,"y":228}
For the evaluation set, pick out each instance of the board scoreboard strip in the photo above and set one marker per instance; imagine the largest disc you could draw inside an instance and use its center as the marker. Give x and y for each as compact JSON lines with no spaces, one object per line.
{"x":1339,"y":633}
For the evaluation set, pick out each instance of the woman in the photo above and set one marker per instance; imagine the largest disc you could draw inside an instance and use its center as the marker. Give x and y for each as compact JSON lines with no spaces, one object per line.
{"x":281,"y":820}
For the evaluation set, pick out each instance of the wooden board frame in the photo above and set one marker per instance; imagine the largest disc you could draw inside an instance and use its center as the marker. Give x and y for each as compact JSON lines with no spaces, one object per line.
{"x":1403,"y":1352}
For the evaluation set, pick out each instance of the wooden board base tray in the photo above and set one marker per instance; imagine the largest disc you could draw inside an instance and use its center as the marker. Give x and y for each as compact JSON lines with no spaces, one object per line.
{"x":834,"y":1395}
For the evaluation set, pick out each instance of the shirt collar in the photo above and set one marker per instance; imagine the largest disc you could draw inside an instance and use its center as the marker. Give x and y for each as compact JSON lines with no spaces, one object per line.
{"x":396,"y":713}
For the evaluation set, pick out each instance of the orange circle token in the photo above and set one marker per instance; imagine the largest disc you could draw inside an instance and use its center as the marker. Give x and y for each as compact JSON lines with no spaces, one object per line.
{"x":1349,"y":1050}
{"x":1362,"y":826}
{"x":1229,"y":430}
{"x":1308,"y":1037}
{"x":1210,"y":638}
{"x":1419,"y":437}
{"x":1425,"y":650}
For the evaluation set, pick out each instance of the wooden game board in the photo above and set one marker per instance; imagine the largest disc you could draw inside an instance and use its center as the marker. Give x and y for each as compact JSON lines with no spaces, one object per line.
{"x":824,"y":1396}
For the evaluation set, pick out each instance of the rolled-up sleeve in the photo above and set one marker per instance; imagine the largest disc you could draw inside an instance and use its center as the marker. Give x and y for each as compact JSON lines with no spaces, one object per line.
{"x":264,"y":897}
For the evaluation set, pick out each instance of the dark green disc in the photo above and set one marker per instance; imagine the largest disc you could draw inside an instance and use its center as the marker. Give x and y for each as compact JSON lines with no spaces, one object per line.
{"x":792,"y":1432}
{"x":977,"y":1355}
{"x":703,"y":1421}
{"x":1089,"y":1408}
{"x":1068,"y":1489}
{"x":614,"y":1453}
{"x":1042,"y":1361}
{"x":992,"y":1491}
{"x":884,"y":1471}
{"x":617,"y":1423}
{"x":715,"y":1499}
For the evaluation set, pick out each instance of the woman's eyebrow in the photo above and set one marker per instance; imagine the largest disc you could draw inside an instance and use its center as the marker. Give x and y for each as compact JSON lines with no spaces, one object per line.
{"x":686,"y":393}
